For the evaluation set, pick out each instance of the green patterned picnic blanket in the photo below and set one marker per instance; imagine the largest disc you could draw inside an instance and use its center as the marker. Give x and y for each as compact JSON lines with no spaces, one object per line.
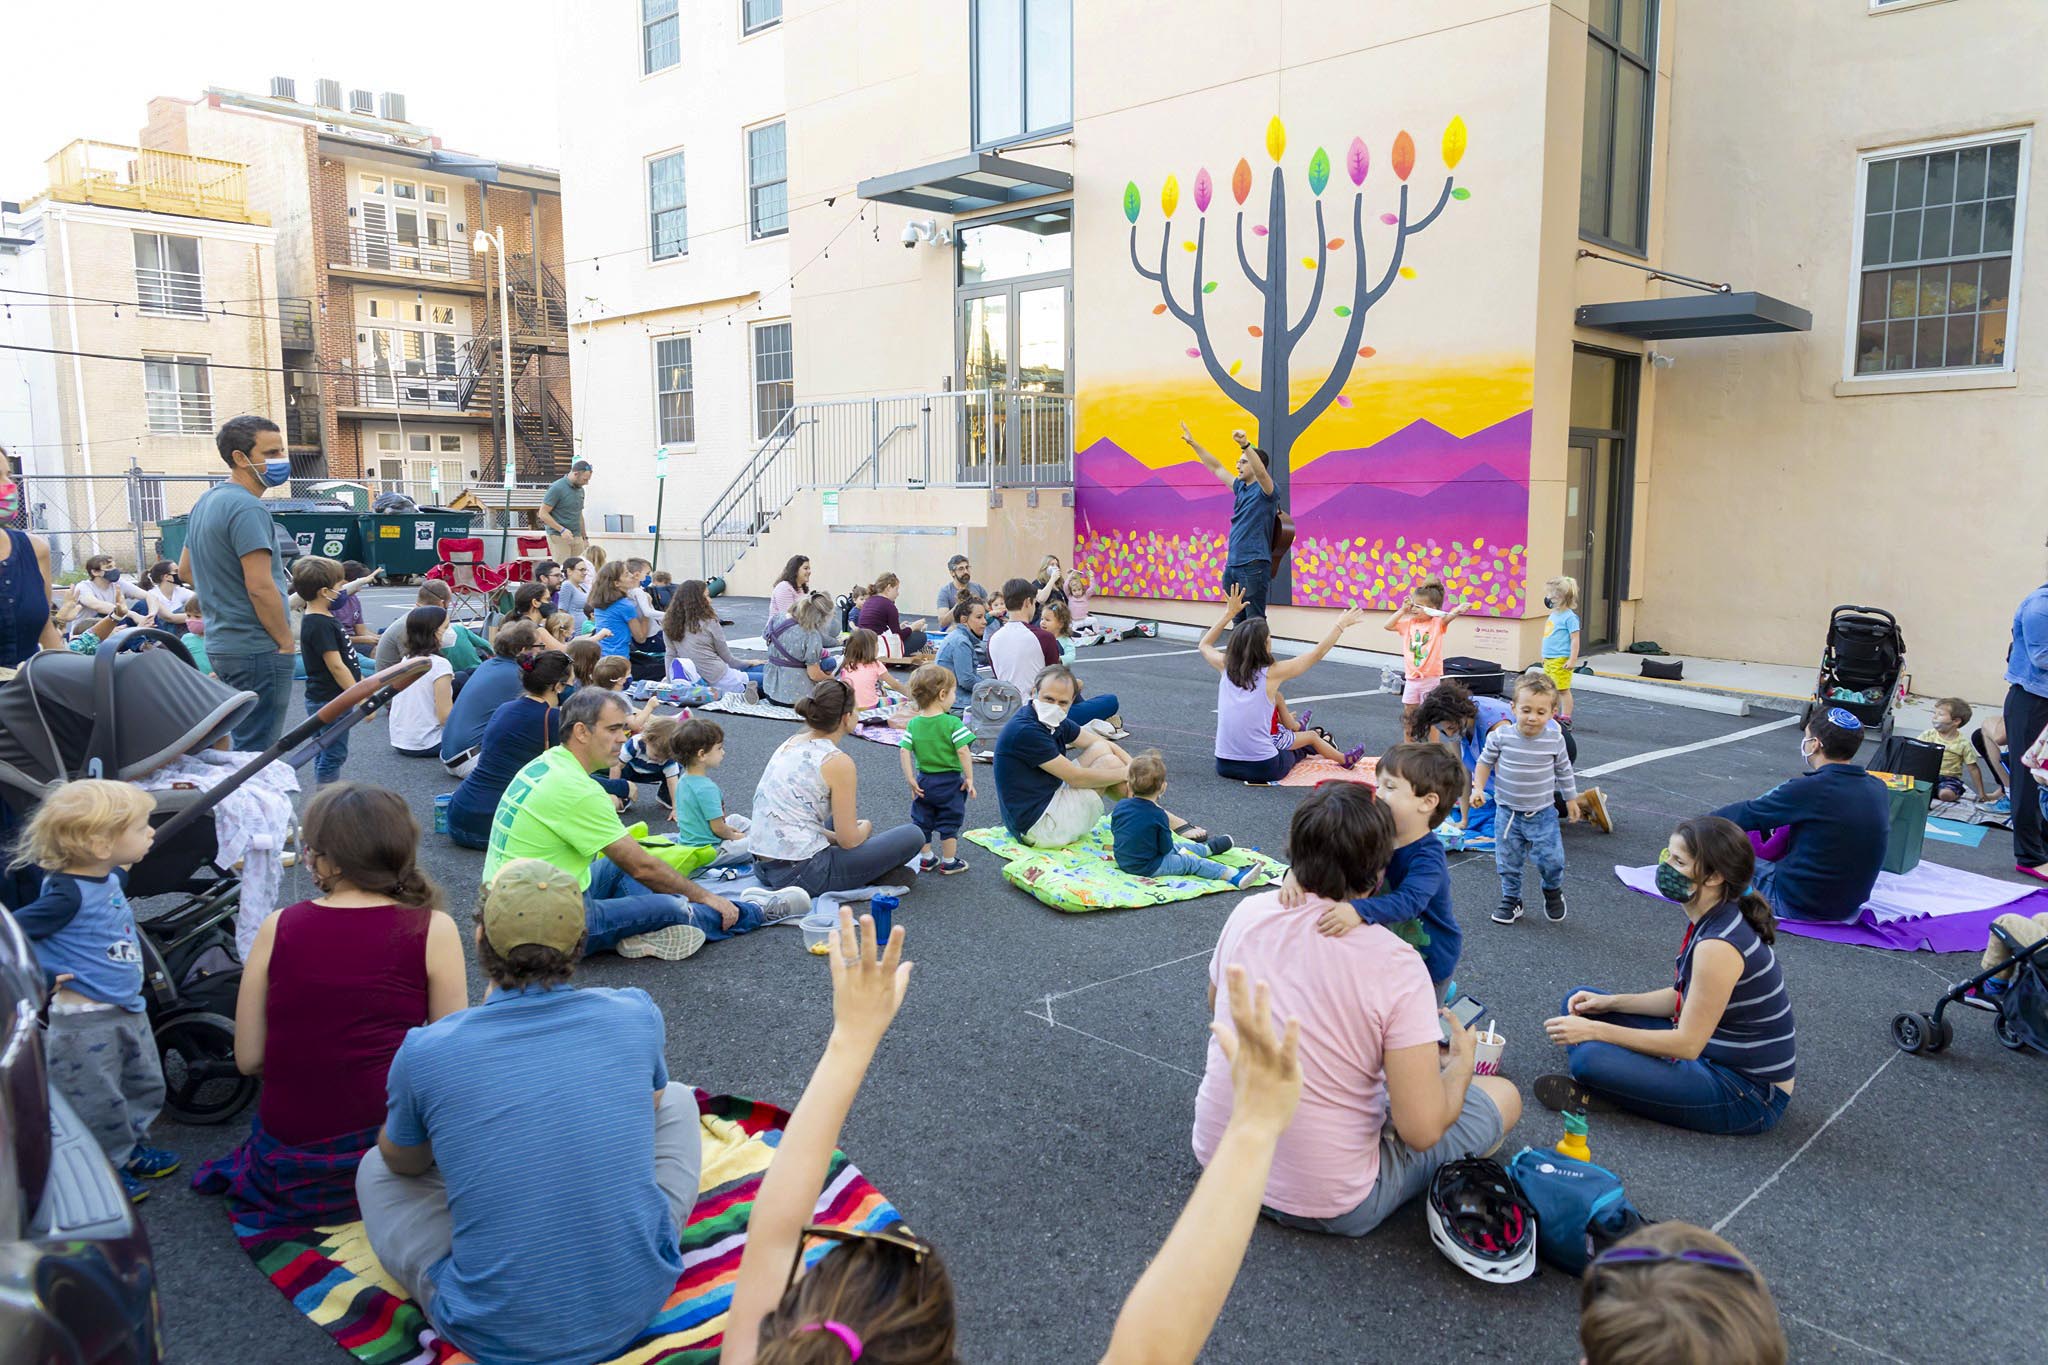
{"x":1084,"y":876}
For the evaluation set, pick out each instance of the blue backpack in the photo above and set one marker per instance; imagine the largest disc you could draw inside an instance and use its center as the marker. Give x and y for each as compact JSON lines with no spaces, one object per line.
{"x":1581,"y":1209}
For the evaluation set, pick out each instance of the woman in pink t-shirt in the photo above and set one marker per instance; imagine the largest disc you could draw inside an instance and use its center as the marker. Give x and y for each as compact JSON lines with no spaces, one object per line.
{"x":1379,"y":1111}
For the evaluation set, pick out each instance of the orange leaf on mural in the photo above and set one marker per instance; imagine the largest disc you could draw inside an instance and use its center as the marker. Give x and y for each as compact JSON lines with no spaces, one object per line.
{"x":1158,"y":308}
{"x":1404,"y":154}
{"x":1256,"y":331}
{"x":1241,"y":180}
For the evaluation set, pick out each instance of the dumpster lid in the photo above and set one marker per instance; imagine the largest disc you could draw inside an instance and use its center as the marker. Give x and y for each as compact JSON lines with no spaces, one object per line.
{"x":314,"y":505}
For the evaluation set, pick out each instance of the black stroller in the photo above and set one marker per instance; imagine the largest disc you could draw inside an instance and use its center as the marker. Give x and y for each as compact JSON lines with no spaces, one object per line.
{"x":2022,"y":1007}
{"x":1860,"y":668}
{"x":124,"y":713}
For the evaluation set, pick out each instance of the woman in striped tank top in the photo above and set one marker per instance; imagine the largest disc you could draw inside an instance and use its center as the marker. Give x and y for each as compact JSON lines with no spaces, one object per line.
{"x":1714,"y":1051}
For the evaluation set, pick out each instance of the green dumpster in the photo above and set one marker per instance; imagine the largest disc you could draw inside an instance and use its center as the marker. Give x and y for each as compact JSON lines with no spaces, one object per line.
{"x":171,"y":538}
{"x":324,"y":529}
{"x":402,"y":543}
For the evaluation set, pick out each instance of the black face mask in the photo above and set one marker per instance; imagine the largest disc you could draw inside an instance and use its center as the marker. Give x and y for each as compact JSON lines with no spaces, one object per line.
{"x":1550,"y":604}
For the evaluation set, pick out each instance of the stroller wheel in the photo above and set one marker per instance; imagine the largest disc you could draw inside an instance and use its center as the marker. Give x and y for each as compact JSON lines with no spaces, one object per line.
{"x":1907,"y":1033}
{"x":2007,"y":1035}
{"x":201,"y":1084}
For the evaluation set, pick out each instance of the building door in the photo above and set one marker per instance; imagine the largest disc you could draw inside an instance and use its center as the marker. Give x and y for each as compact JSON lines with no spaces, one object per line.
{"x":1015,"y":317}
{"x":1599,"y":487}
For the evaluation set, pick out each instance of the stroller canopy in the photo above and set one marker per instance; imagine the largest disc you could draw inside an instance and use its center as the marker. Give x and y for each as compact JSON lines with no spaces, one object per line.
{"x":136,"y":710}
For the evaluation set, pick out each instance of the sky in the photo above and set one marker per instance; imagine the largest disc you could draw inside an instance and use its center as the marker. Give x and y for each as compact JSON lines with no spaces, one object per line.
{"x":483,"y":78}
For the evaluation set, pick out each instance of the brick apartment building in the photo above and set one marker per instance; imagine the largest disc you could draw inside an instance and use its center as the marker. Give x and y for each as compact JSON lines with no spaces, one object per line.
{"x":390,"y":320}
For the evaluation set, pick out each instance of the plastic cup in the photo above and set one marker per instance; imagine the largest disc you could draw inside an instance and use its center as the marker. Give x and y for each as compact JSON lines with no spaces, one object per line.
{"x":883,"y":908}
{"x":1486,"y":1054}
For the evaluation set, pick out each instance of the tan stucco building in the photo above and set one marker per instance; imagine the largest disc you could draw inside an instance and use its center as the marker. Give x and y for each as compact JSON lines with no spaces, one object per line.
{"x":1027,"y":239}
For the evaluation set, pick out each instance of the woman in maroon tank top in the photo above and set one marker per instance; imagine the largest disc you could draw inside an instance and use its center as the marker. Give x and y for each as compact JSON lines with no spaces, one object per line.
{"x":331,"y":988}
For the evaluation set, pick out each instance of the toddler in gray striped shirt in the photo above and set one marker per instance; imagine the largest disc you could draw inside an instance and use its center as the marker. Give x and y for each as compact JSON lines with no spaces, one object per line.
{"x":1527,"y":764}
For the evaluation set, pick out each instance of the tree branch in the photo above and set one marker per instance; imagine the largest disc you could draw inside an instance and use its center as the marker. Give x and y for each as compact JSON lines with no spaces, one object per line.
{"x":1333,"y":384}
{"x":1244,"y":262}
{"x":1159,"y":276}
{"x":1315,"y":293}
{"x":1238,"y":393}
{"x":1401,"y":237}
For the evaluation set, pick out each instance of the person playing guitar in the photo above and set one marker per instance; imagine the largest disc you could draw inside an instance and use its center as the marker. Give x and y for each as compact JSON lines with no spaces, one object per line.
{"x":1260,"y":531}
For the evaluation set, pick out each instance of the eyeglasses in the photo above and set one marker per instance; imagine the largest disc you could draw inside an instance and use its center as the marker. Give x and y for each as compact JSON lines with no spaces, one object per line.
{"x":899,"y":1237}
{"x":1634,"y":1256}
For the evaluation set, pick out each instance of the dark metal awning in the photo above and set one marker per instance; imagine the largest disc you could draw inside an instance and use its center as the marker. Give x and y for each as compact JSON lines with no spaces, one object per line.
{"x":965,"y":184}
{"x":1702,"y":315}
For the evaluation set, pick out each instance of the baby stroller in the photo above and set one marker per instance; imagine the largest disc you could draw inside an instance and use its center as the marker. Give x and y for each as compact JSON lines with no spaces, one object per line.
{"x":2022,"y":1007}
{"x":1860,"y":668}
{"x":121,"y":714}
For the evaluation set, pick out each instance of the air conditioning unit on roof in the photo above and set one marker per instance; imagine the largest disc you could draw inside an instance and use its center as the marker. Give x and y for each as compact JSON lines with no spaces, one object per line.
{"x":391,"y":106}
{"x":362,"y":102}
{"x":283,"y":88}
{"x":327,"y":92}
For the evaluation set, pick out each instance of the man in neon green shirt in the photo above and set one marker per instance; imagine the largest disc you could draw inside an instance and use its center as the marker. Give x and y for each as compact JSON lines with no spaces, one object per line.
{"x":634,"y":902}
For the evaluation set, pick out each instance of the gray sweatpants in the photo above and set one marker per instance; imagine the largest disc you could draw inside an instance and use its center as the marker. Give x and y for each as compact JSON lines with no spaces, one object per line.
{"x":103,"y":1060}
{"x":407,"y":1220}
{"x":879,"y":858}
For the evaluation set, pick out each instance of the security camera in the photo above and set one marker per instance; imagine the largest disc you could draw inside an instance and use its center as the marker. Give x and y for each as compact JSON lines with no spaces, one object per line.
{"x":1660,"y":361}
{"x":911,"y":236}
{"x":925,"y":230}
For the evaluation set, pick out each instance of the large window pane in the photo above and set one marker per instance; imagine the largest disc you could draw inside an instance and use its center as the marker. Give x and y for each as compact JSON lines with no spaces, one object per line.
{"x":767,"y":181}
{"x":1035,"y":245}
{"x":1615,"y":140}
{"x":759,"y":14}
{"x":774,"y":377}
{"x":1599,"y":139}
{"x":1596,"y":391}
{"x":668,"y":231}
{"x":998,"y":69}
{"x":675,"y":393}
{"x":661,"y":39}
{"x":1631,"y":111}
{"x":1048,"y":64}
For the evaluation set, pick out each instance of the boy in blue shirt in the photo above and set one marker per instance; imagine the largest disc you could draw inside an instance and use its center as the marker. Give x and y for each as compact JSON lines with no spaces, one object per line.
{"x":1418,"y":784}
{"x":697,"y":746}
{"x":102,"y":1054}
{"x":1143,"y":840}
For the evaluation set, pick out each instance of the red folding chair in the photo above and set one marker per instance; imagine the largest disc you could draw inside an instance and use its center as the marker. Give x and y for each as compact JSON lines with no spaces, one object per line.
{"x":471,"y":580}
{"x":528,"y":552}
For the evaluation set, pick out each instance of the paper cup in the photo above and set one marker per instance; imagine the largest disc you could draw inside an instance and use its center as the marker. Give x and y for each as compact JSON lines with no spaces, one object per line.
{"x":1486,"y":1055}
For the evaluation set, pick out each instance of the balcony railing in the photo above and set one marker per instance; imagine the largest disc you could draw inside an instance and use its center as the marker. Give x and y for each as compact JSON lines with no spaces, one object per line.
{"x":382,"y":389}
{"x":88,"y":172}
{"x":295,"y":324}
{"x":394,"y":253}
{"x":172,"y":292}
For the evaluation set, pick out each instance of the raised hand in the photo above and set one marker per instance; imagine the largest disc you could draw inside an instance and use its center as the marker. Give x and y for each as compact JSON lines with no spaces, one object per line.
{"x":1186,"y":435}
{"x":1265,"y":1063}
{"x":869,"y":980}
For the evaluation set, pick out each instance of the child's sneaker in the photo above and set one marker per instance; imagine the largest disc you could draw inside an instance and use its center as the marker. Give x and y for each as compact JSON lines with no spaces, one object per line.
{"x":151,"y":1163}
{"x":1593,"y":802}
{"x":1508,"y":911}
{"x":2002,"y":806}
{"x":137,"y":1191}
{"x":1220,"y":844}
{"x":926,"y":862}
{"x":1553,"y":904}
{"x":1353,"y":754}
{"x":1239,"y":876}
{"x":951,"y":867}
{"x":671,"y":943}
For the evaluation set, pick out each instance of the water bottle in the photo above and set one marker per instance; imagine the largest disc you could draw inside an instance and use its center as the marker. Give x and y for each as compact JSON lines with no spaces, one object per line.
{"x":883,"y":908}
{"x":441,"y":812}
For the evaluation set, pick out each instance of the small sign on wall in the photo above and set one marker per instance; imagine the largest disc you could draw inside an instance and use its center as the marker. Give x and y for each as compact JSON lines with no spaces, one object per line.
{"x":423,"y":535}
{"x":831,"y":504}
{"x":1492,"y":640}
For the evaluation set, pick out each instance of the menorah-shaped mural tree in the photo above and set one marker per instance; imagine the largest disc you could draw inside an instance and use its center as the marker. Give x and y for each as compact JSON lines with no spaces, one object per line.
{"x":1270,"y":404}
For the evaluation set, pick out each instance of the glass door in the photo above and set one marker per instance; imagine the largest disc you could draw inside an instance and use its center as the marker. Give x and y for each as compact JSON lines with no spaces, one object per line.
{"x":1599,"y":488}
{"x":987,"y":358}
{"x":1038,"y":383}
{"x":1014,"y":309}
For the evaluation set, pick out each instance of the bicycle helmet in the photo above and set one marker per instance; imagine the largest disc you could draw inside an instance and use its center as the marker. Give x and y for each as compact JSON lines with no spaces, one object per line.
{"x":993,"y":701}
{"x":1481,"y":1223}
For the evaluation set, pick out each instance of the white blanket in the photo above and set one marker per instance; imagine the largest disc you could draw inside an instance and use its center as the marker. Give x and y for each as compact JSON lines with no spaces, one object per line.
{"x":251,"y":825}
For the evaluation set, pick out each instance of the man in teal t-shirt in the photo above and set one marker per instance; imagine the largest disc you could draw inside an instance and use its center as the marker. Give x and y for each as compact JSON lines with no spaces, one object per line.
{"x":561,"y":512}
{"x":234,"y":560}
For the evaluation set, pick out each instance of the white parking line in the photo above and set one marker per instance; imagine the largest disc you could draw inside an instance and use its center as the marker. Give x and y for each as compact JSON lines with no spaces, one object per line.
{"x":1119,"y":658}
{"x":1675,"y":750}
{"x":1772,"y":1179}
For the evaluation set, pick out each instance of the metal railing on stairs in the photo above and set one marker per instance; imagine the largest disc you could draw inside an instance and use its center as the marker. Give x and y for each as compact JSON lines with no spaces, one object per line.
{"x":975,"y":438}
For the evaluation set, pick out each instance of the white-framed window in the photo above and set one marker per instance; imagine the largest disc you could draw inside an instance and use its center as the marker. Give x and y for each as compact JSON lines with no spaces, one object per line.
{"x":618,"y":523}
{"x":661,"y":36}
{"x":1938,"y":233}
{"x":178,"y":395}
{"x":167,"y":276}
{"x":675,"y":396}
{"x":435,"y":194}
{"x":1023,"y":68}
{"x":774,"y":376}
{"x":371,"y":184}
{"x":148,"y":499}
{"x":767,"y":180}
{"x":450,"y":444}
{"x":405,"y":189}
{"x":668,"y":213}
{"x":756,"y":15}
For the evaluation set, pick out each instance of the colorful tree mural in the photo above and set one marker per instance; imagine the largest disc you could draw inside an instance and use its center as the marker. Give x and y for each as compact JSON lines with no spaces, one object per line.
{"x":1270,"y":402}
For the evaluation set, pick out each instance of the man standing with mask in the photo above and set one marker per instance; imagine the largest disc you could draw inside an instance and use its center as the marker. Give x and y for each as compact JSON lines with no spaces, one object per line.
{"x":232,"y":559}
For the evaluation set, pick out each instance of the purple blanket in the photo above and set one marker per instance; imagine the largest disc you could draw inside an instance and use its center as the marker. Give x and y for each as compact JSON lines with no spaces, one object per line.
{"x":1932,"y":908}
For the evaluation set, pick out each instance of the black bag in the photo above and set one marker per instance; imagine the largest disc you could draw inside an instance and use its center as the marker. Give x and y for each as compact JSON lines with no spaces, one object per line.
{"x":1915,"y":758}
{"x":1480,"y":677}
{"x":1671,"y":672}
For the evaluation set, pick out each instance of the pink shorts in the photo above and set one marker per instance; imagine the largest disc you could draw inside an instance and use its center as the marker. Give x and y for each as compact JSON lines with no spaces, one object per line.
{"x":1418,"y":688}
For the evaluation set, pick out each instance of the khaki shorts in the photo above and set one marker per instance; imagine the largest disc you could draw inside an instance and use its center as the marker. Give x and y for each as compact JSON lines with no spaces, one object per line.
{"x":1072,"y":813}
{"x":562,"y":548}
{"x":1559,"y":671}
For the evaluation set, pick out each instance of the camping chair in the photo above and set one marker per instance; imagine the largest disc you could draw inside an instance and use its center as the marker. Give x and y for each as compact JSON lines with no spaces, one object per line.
{"x":528,"y":551}
{"x":470,"y":580}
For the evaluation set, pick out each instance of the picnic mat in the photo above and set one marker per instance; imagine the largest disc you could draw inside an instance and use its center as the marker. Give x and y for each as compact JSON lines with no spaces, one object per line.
{"x":1315,"y":771}
{"x":1955,"y":832}
{"x":1084,"y":876}
{"x":736,"y":704}
{"x":1932,"y":908}
{"x":331,"y":1275}
{"x":1969,"y":813}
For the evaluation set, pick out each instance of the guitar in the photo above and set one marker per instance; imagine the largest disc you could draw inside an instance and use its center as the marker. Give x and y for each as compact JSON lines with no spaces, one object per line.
{"x":1283,"y":537}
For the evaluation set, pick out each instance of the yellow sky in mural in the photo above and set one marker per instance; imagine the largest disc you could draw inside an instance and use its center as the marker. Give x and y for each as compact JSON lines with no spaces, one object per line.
{"x":1144,"y":416}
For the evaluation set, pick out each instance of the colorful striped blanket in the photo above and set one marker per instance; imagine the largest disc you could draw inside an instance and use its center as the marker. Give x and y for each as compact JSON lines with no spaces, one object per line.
{"x":331,"y":1275}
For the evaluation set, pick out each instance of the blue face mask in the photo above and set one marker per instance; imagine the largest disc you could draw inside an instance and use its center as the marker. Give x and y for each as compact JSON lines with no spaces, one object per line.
{"x":647,"y":580}
{"x":274,"y":473}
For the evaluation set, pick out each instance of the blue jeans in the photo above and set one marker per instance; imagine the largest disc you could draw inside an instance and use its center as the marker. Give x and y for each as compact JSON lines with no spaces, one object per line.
{"x":1520,"y":835}
{"x":1094,"y":708}
{"x":1187,"y":860}
{"x":327,"y":763}
{"x":617,"y":907}
{"x":269,"y":676}
{"x":1701,"y":1095}
{"x":1257,"y":579}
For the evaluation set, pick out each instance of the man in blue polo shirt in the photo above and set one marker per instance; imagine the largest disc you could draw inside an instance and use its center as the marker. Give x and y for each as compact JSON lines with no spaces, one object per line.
{"x":1047,"y":799}
{"x":1838,"y":818}
{"x":536,"y":1163}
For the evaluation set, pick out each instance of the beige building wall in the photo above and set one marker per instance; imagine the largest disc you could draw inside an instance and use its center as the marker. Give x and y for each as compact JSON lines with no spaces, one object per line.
{"x":1782,"y":485}
{"x":279,"y":155}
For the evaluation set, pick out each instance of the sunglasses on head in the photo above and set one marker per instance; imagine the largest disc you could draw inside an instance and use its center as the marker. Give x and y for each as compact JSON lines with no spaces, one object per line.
{"x":899,"y":1237}
{"x":1636,"y":1256}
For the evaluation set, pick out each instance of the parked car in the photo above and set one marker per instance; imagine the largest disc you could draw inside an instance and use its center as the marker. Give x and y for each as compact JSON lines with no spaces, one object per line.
{"x":77,"y":1283}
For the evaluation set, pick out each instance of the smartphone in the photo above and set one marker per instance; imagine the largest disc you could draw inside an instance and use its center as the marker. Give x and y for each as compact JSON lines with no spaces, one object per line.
{"x":1466,"y":1010}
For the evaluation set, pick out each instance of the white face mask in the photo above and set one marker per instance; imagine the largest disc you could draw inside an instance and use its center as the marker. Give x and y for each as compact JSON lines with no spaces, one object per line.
{"x":1050,"y":713}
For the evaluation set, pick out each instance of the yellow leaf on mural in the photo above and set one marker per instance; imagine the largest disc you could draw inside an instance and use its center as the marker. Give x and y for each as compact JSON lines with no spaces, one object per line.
{"x":1187,"y":246}
{"x":1276,"y":138}
{"x":1454,"y":144}
{"x":1236,"y":365}
{"x":1169,"y":194}
{"x":1407,"y":272}
{"x":1309,"y":261}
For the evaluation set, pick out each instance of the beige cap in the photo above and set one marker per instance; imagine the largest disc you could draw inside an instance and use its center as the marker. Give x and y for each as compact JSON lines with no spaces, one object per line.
{"x":531,"y":901}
